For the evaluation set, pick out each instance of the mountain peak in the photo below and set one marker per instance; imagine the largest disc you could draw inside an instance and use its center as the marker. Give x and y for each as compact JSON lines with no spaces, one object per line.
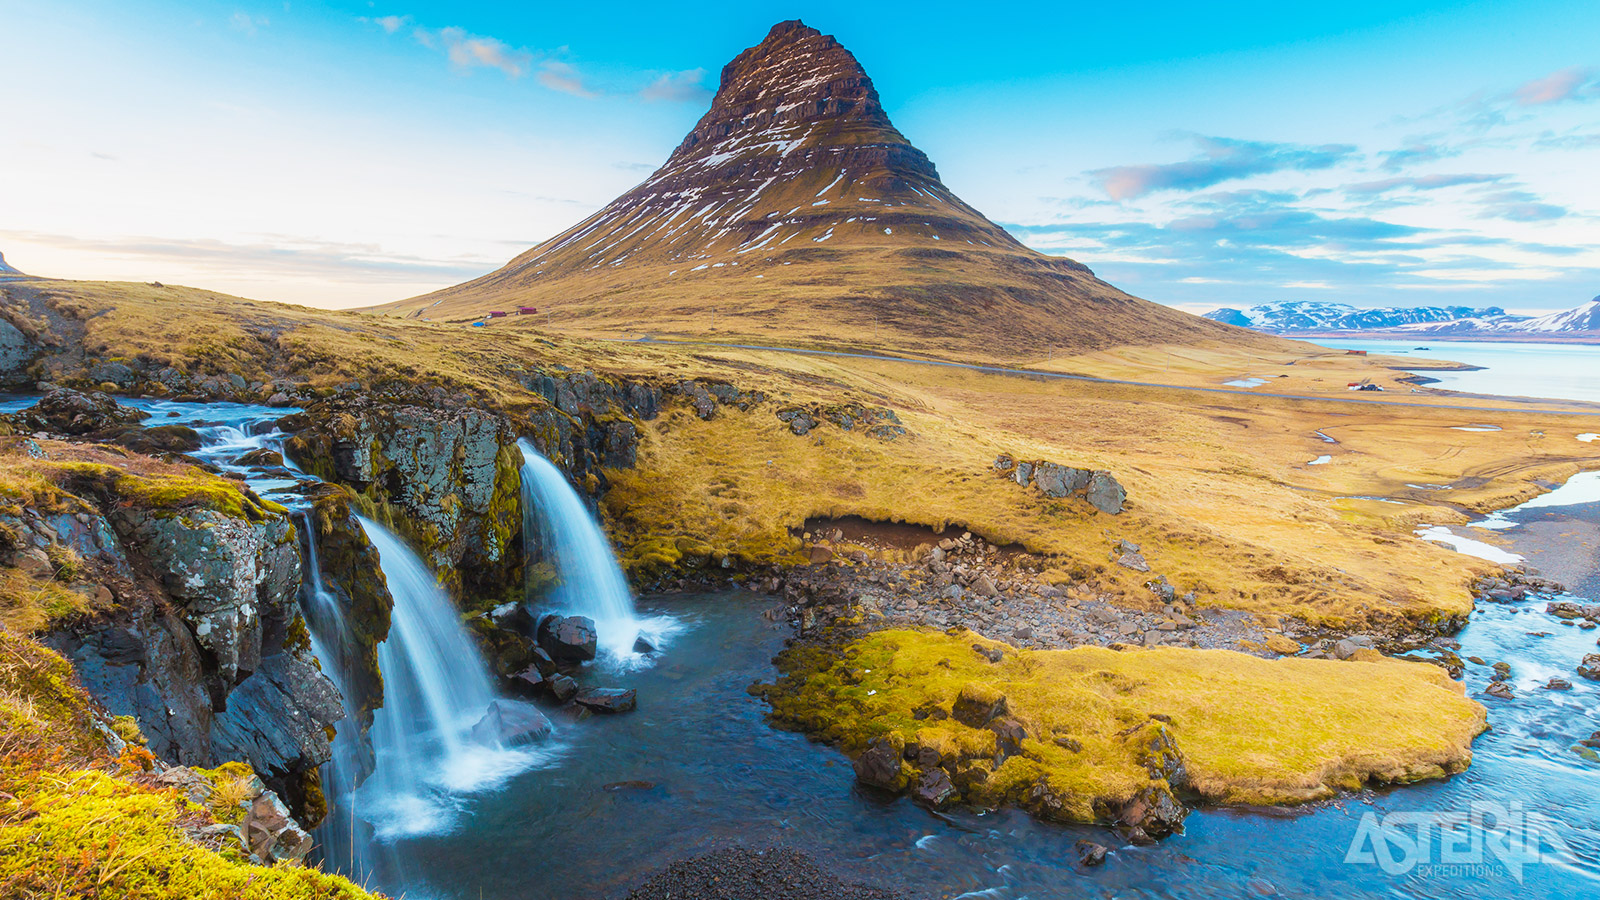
{"x":796,"y":210}
{"x":6,"y":269}
{"x":793,"y":81}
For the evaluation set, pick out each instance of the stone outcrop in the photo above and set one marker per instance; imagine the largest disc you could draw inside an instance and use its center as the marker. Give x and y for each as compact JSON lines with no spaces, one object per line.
{"x":1056,"y":481}
{"x":195,"y":631}
{"x":68,"y":412}
{"x":452,"y":472}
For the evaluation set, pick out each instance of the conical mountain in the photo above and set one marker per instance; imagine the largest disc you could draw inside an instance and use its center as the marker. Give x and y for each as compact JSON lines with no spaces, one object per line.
{"x":795,"y":212}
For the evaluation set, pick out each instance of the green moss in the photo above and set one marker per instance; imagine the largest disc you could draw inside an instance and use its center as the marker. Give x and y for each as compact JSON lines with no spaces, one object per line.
{"x":1101,"y":726}
{"x":66,"y":562}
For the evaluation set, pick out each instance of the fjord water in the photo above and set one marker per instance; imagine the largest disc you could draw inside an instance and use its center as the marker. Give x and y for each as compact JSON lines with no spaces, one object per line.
{"x":1558,"y":371}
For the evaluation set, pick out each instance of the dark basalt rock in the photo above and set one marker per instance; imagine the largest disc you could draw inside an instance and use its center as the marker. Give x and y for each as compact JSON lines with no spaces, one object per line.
{"x":934,"y":789}
{"x":608,"y":700}
{"x":880,"y":765}
{"x":1590,"y":667}
{"x":976,"y":706}
{"x":529,"y":681}
{"x":568,"y":639}
{"x":562,"y":688}
{"x":1090,"y":854}
{"x":1153,"y":812}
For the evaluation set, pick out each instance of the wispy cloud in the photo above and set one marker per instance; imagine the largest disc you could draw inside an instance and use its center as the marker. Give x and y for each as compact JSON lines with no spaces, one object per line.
{"x":243,"y":21}
{"x":277,"y":256}
{"x":389,"y":24}
{"x":1418,"y":183}
{"x":1415,"y":152}
{"x":1575,"y":83}
{"x":468,"y":51}
{"x":1520,"y":206}
{"x":678,"y":87}
{"x":564,"y":77}
{"x":1219,"y":160}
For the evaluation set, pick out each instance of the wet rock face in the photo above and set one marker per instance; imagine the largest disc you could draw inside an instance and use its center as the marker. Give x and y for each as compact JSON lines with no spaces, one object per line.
{"x":227,"y":575}
{"x":453,"y":471}
{"x":199,"y":645}
{"x":443,"y":468}
{"x":349,"y":568}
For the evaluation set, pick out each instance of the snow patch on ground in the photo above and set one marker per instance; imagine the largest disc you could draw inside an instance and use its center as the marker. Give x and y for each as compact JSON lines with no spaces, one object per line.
{"x":1439,"y":534}
{"x":1321,"y":460}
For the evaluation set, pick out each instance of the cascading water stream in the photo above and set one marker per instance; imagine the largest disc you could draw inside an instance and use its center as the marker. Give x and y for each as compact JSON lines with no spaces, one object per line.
{"x":411,"y":773}
{"x":436,"y":688}
{"x":589,"y":581}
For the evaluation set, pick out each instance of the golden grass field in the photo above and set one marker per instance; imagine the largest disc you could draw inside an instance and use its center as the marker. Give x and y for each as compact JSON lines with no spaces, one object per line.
{"x":1221,"y":495}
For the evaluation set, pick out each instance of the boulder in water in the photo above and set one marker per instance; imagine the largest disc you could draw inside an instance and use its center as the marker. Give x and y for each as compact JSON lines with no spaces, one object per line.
{"x":641,"y":644}
{"x":529,"y":681}
{"x":1590,"y":668}
{"x":1090,"y":853}
{"x":609,"y":700}
{"x":511,"y":724}
{"x":66,"y":411}
{"x":568,"y":639}
{"x":562,"y":688}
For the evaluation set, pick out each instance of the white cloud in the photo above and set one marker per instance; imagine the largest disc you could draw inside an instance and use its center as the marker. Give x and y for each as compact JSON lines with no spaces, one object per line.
{"x":678,"y":87}
{"x":564,"y":77}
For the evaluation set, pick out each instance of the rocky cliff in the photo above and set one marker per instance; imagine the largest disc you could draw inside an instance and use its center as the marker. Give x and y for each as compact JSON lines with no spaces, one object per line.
{"x":173,"y":593}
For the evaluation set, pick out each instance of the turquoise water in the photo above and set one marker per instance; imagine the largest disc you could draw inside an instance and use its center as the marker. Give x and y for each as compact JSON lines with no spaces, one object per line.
{"x":1558,"y":371}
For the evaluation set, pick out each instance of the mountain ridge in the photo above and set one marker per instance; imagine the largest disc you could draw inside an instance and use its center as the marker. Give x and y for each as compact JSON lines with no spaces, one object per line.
{"x":794,"y":210}
{"x":1308,"y":318}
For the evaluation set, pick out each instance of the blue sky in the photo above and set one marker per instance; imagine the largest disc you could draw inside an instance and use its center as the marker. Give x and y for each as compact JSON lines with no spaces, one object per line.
{"x":339,"y":154}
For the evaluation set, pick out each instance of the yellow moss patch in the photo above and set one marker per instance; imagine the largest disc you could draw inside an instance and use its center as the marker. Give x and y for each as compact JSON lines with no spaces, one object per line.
{"x":29,"y":604}
{"x":89,"y":834}
{"x":1252,"y":731}
{"x":76,"y":823}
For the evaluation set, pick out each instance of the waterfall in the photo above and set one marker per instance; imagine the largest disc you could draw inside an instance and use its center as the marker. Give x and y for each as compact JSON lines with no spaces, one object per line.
{"x":435,"y":688}
{"x":342,"y":837}
{"x":590,"y":583}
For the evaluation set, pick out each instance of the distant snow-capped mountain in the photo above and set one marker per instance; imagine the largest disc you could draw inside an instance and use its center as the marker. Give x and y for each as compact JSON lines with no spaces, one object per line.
{"x":5,"y":269}
{"x":1582,"y":318}
{"x":1305,"y":315}
{"x":1445,"y":322}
